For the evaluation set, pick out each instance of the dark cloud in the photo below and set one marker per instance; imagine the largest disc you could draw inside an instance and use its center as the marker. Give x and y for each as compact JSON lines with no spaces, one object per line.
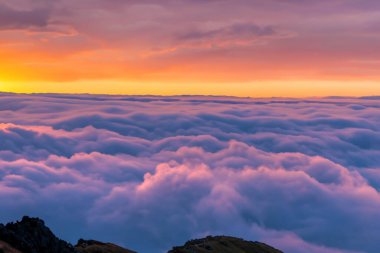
{"x":236,"y":34}
{"x":20,"y":19}
{"x":299,"y":174}
{"x":234,"y":31}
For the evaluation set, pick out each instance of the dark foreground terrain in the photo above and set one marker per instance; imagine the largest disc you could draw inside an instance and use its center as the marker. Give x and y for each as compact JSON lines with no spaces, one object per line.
{"x":223,"y":244}
{"x":30,"y":235}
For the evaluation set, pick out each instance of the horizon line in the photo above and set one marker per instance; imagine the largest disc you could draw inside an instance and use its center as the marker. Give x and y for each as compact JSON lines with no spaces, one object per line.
{"x":186,"y":95}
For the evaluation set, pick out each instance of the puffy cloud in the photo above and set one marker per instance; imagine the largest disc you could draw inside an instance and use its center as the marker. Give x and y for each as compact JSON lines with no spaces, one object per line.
{"x":155,"y":171}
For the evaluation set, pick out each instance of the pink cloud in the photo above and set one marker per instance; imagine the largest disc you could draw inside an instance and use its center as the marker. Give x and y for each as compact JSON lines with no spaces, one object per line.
{"x":298,"y":174}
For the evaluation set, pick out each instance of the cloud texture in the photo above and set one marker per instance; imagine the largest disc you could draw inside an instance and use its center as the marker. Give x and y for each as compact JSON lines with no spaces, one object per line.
{"x":153,"y":172}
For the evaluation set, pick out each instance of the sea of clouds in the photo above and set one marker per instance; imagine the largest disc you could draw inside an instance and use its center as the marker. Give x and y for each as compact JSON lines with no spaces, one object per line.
{"x":152,"y":172}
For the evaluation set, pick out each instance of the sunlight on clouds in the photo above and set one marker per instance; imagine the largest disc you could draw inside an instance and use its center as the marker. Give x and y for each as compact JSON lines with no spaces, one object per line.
{"x":276,"y":48}
{"x":287,"y":88}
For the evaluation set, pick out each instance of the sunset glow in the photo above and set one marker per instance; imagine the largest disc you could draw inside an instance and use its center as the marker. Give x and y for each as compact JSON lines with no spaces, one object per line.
{"x":240,"y":48}
{"x":299,"y":88}
{"x":222,"y":125}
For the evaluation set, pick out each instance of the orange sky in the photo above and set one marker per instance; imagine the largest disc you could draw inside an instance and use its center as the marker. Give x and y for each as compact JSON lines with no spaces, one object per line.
{"x":218,"y":47}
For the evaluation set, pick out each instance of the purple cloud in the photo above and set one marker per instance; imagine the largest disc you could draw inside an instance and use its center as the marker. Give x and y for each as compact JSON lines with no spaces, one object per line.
{"x":20,"y":19}
{"x":301,"y":175}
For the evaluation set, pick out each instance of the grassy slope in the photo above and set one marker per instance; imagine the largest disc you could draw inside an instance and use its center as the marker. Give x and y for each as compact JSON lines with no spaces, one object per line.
{"x":223,"y":244}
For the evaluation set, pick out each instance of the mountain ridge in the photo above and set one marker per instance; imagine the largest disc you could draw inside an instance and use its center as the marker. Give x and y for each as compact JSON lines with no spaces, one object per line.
{"x":31,"y":235}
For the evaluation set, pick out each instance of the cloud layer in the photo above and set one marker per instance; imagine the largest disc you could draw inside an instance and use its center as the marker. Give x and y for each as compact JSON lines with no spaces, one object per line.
{"x":153,"y":172}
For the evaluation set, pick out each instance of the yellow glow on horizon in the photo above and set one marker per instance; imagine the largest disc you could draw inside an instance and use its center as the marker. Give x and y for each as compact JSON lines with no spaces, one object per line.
{"x":297,"y":88}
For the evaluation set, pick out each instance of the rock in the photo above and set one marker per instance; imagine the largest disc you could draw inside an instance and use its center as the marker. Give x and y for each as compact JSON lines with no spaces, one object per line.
{"x":223,"y":244}
{"x":6,"y":248}
{"x":91,"y":246}
{"x":30,"y":235}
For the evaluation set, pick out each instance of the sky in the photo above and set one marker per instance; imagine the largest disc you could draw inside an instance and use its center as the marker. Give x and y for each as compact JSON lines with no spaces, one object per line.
{"x":257,"y":48}
{"x":149,"y":173}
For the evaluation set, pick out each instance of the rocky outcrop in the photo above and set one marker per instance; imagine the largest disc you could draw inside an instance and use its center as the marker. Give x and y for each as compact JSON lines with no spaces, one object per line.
{"x":30,"y":235}
{"x":91,"y":246}
{"x":6,"y":248}
{"x":223,"y":244}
